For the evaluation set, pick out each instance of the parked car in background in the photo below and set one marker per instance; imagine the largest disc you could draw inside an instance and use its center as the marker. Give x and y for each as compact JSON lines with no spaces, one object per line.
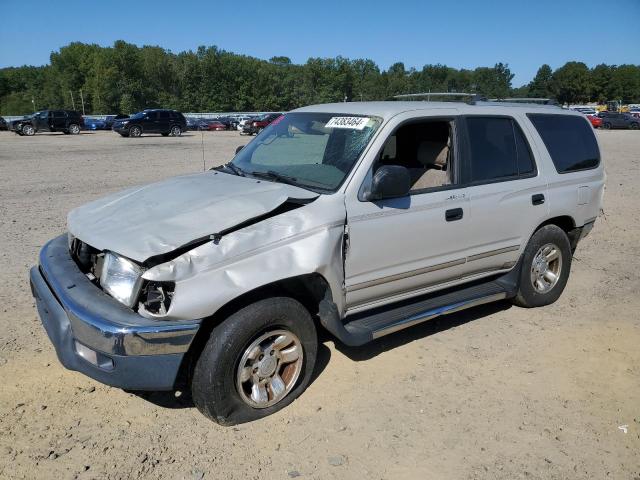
{"x":65,"y":121}
{"x":91,"y":123}
{"x":3,"y":124}
{"x":257,"y":124}
{"x":164,"y":122}
{"x":619,"y":120}
{"x":216,"y":125}
{"x":242,"y":121}
{"x":192,"y":123}
{"x":359,"y":219}
{"x":596,"y":122}
{"x":229,"y":122}
{"x":110,"y":120}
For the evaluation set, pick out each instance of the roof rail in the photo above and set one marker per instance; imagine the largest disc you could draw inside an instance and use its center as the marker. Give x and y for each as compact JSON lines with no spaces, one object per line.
{"x":472,"y":98}
{"x":539,"y":101}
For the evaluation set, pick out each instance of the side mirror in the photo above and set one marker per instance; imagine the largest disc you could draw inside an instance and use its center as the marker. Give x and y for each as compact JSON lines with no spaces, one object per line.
{"x":390,"y":181}
{"x":239,"y":148}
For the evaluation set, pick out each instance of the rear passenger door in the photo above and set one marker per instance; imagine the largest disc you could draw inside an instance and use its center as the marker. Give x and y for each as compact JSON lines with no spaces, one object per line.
{"x":506,"y":189}
{"x":163,"y":122}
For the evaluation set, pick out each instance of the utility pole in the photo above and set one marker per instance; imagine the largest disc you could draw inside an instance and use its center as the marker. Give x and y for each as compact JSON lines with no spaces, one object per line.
{"x":82,"y":99}
{"x":33,"y":102}
{"x":73,"y":103}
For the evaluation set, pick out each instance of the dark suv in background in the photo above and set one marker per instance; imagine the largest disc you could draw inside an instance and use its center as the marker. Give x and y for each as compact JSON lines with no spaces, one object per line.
{"x":65,"y":121}
{"x":165,"y":122}
{"x":619,"y":120}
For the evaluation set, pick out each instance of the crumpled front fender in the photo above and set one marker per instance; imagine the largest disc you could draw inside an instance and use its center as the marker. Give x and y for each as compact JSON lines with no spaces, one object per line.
{"x":303,"y":241}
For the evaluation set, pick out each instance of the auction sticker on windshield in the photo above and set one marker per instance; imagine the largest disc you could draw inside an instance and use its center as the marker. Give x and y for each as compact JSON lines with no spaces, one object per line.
{"x":354,"y":123}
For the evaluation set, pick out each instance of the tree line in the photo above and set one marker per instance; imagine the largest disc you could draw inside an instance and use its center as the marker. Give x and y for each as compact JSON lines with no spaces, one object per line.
{"x":127,"y":78}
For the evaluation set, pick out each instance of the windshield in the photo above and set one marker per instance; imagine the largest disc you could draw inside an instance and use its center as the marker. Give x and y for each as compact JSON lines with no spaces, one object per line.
{"x":137,"y":116}
{"x":312,"y":150}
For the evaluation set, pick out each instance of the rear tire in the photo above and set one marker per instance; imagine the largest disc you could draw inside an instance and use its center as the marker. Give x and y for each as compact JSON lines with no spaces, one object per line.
{"x":244,"y":373}
{"x":546,"y":263}
{"x":634,"y":126}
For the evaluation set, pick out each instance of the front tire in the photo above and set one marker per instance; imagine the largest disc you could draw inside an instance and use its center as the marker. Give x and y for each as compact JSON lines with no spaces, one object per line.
{"x":176,"y":131}
{"x":74,"y":129}
{"x":634,"y":126}
{"x":546,"y":263}
{"x":606,"y":126}
{"x":28,"y":130}
{"x":256,"y":362}
{"x":135,"y":131}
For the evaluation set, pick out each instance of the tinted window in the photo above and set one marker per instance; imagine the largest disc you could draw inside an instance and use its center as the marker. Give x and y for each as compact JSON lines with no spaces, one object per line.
{"x":569,"y":140}
{"x":493,"y":148}
{"x":163,"y":115}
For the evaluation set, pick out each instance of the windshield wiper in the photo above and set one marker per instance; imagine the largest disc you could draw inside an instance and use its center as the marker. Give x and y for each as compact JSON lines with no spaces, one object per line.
{"x":237,"y":170}
{"x":278,"y":177}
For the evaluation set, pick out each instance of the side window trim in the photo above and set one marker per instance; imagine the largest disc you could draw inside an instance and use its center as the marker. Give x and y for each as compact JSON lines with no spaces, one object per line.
{"x":465,"y":153}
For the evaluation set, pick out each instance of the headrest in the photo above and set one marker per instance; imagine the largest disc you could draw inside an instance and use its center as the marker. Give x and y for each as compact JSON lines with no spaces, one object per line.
{"x":433,"y":153}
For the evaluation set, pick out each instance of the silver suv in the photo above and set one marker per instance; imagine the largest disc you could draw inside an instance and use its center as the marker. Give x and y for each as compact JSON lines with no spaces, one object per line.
{"x":358,"y":218}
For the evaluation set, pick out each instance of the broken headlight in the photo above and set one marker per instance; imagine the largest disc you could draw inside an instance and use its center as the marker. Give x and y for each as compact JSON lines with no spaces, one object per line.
{"x":121,"y":278}
{"x":156,"y":297}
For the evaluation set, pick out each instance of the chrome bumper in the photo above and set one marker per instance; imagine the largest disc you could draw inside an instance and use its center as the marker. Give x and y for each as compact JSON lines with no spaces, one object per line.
{"x":143,"y":353}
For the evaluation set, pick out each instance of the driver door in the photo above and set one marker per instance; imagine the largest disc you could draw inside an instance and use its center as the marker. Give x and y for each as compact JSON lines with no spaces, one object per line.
{"x":405,"y":246}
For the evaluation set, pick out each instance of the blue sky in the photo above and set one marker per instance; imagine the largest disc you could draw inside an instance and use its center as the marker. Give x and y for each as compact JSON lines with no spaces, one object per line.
{"x":460,"y":34}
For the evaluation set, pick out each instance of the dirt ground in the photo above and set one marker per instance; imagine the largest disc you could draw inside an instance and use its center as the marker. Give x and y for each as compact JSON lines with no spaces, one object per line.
{"x":497,"y":392}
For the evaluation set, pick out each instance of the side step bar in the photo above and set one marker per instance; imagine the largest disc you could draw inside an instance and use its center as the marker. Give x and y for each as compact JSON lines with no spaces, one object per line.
{"x":365,"y":327}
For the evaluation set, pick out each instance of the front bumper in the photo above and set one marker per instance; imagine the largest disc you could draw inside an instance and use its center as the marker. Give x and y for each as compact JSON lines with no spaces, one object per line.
{"x":132,"y":352}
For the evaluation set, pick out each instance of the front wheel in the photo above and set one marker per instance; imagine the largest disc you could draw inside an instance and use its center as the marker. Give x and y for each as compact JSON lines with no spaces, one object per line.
{"x":255,"y":362}
{"x":135,"y":131}
{"x":546,"y":263}
{"x":74,"y":129}
{"x":28,"y":130}
{"x":176,"y":131}
{"x":606,"y":126}
{"x":634,"y":126}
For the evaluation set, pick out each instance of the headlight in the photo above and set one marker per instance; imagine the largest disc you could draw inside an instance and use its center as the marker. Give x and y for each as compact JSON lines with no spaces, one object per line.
{"x":121,"y":278}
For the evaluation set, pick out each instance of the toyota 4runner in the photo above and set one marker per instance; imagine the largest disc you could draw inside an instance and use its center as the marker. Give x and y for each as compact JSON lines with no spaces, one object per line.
{"x":361,"y":219}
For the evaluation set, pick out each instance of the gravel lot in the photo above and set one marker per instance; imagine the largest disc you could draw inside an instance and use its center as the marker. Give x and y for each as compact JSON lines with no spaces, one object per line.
{"x":497,"y":392}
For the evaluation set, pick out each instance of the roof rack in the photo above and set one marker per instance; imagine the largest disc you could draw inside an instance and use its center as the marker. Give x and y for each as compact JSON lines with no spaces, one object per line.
{"x":540,"y":101}
{"x":472,"y":98}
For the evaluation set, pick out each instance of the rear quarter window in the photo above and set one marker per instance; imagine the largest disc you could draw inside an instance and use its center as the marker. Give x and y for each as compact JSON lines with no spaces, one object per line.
{"x":569,"y":139}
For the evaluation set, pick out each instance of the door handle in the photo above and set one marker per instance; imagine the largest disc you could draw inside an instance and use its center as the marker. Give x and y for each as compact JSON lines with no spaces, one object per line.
{"x":537,"y":199}
{"x":453,"y":214}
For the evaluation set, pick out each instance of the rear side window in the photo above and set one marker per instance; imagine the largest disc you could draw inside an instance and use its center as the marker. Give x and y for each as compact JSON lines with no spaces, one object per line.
{"x":569,"y":140}
{"x":163,"y":115}
{"x":498,"y":149}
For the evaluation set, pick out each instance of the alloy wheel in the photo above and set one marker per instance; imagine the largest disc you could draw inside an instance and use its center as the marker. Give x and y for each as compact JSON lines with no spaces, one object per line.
{"x":269,"y":368}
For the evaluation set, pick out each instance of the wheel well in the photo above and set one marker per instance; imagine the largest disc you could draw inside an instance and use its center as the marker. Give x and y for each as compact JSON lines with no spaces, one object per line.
{"x":566,"y":223}
{"x":308,"y":289}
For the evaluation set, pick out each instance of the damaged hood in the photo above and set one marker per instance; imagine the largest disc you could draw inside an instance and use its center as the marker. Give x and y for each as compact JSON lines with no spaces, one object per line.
{"x":156,"y":219}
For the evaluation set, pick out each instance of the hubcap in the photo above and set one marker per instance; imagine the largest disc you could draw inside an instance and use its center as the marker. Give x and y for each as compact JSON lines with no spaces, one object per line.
{"x":546,"y":268}
{"x":269,"y":368}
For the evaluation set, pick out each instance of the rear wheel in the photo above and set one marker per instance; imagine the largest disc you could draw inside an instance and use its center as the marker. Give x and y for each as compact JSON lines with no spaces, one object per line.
{"x":28,"y":130}
{"x":74,"y":129}
{"x":546,"y":263}
{"x":135,"y":131}
{"x":634,"y":126}
{"x":256,"y":362}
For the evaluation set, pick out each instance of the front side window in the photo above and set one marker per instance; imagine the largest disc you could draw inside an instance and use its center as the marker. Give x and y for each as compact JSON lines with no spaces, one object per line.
{"x":497,"y":149}
{"x":569,"y":140}
{"x":312,"y":150}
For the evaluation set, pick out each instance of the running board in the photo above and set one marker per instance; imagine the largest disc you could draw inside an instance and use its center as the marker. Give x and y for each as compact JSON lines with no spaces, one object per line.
{"x":367,"y":326}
